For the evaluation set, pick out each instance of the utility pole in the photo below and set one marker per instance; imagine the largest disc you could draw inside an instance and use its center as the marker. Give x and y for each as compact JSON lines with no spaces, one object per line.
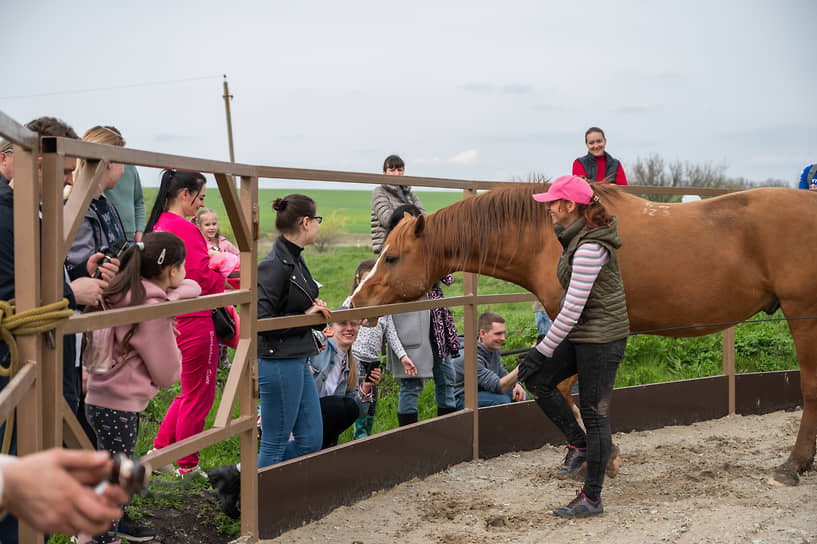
{"x":227,"y":98}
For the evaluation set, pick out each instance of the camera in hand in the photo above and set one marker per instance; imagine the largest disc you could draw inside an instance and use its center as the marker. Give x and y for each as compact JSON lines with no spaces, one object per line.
{"x":114,"y":251}
{"x":128,"y":473}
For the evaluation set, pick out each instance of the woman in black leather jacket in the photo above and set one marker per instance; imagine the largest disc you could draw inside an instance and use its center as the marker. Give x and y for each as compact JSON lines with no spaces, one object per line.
{"x":289,"y":399}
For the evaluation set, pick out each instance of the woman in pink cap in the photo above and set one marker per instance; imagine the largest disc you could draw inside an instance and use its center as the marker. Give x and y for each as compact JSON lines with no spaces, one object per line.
{"x":588,"y":337}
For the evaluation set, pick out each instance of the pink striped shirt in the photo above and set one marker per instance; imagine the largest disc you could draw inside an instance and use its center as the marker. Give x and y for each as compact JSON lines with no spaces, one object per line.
{"x":587,"y":262}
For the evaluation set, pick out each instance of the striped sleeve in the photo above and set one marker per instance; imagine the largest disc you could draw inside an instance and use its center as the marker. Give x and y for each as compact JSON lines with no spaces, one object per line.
{"x":587,"y":262}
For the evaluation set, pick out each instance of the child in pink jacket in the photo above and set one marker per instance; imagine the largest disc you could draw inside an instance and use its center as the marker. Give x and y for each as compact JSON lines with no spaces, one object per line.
{"x":145,"y":355}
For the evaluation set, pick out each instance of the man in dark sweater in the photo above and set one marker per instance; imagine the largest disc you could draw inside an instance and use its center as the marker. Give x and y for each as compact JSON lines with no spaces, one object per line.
{"x":495,"y":385}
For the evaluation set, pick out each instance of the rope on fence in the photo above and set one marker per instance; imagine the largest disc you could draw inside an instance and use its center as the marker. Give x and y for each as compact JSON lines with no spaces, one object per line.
{"x":34,"y":321}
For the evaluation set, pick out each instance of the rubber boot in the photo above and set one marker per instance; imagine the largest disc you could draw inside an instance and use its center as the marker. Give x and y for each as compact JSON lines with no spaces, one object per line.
{"x":407,"y":419}
{"x":369,"y":425}
{"x":360,"y":428}
{"x":226,"y":481}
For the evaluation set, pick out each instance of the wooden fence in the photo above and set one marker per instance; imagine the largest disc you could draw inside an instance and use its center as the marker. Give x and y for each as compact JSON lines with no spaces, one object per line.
{"x":44,"y":419}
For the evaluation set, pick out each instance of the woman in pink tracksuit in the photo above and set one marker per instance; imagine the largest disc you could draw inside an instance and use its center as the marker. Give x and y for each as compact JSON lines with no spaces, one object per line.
{"x":180,"y":195}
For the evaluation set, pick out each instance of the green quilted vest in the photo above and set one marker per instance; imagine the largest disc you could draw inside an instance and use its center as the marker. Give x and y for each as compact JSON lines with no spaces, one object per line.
{"x":604,"y":318}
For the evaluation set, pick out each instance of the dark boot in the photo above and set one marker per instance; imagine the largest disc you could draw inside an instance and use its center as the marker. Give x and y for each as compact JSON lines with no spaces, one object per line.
{"x":226,"y":481}
{"x":406,"y":419}
{"x":443,"y":411}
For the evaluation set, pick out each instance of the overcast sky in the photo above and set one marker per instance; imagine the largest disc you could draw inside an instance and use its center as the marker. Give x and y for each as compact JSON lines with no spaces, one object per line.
{"x":487,"y":90}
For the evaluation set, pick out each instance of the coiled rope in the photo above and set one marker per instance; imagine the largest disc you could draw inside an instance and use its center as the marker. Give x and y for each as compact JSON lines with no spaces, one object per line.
{"x":34,"y":321}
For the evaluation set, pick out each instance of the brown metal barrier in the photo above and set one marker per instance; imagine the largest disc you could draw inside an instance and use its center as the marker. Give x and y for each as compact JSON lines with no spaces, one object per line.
{"x":43,"y":418}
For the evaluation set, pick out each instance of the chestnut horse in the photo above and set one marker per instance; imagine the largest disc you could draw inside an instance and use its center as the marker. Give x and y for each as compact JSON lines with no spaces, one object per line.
{"x":708,"y":262}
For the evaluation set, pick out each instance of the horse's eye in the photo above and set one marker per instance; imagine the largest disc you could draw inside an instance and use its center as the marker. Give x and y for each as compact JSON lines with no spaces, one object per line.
{"x":390,"y":260}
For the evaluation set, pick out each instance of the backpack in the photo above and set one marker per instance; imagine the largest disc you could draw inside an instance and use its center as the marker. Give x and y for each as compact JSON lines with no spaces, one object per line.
{"x":97,"y":349}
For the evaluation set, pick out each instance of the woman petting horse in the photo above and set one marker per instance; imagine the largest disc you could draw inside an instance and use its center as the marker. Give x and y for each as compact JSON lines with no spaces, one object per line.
{"x":688,"y":269}
{"x":588,"y":337}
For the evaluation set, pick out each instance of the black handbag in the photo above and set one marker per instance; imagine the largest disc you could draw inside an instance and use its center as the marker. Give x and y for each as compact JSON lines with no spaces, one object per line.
{"x":224,"y":324}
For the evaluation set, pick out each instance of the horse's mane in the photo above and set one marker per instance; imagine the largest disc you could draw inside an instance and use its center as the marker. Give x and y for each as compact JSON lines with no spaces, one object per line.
{"x":470,"y":226}
{"x":476,"y":223}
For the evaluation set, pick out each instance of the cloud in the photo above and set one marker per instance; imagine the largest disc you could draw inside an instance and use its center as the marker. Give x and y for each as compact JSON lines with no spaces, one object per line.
{"x":464,"y":158}
{"x":478,"y":87}
{"x":481,"y":87}
{"x":516,"y":88}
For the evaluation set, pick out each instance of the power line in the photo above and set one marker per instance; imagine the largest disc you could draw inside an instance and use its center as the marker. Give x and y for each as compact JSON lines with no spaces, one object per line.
{"x":129,"y":86}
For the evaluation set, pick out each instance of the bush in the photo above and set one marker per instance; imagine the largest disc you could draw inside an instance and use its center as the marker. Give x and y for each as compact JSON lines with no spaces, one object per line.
{"x":333,"y":228}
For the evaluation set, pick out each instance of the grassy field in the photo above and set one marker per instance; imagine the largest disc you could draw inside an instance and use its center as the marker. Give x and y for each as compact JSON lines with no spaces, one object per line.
{"x":648,"y":359}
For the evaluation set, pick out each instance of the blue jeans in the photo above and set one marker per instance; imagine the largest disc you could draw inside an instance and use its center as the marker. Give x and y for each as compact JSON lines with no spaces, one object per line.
{"x":543,"y":323}
{"x":289,"y":404}
{"x":486,"y":398}
{"x":410,"y":388}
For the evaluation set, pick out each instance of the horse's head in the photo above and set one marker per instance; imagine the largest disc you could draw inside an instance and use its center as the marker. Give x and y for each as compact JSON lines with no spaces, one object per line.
{"x":402,"y":272}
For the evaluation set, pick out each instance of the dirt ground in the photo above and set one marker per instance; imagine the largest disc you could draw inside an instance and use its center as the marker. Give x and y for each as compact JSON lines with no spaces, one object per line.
{"x":704,"y":483}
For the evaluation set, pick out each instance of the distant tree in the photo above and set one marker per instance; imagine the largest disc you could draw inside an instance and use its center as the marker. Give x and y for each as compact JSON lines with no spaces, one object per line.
{"x":332,"y":230}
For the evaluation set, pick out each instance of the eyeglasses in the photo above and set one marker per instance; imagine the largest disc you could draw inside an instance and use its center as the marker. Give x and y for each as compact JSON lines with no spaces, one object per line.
{"x":317,"y":218}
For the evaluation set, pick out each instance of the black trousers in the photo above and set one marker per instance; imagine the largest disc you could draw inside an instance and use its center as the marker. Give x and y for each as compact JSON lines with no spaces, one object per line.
{"x":338,"y":415}
{"x":596,"y":365}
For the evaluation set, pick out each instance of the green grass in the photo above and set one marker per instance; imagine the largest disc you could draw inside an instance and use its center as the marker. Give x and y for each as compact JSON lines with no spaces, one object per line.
{"x":355,"y":206}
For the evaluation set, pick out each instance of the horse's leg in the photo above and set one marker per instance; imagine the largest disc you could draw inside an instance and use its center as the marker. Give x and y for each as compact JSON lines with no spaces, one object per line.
{"x":566,"y":389}
{"x":802,"y":454}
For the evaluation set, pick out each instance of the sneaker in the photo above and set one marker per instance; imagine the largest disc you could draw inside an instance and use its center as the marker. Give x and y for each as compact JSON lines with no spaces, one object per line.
{"x":580,"y":507}
{"x":574,"y":464}
{"x":133,"y":530}
{"x":183,"y":472}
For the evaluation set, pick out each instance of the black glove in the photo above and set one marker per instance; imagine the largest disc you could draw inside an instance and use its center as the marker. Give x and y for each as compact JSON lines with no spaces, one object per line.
{"x":530,"y":364}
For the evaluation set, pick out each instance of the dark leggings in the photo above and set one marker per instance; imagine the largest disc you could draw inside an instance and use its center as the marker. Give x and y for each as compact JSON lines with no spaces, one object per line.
{"x":116,"y":431}
{"x":338,"y":415}
{"x":596,"y":365}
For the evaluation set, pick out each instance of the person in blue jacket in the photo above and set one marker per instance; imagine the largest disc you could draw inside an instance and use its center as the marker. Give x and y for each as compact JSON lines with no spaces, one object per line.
{"x":808,"y":179}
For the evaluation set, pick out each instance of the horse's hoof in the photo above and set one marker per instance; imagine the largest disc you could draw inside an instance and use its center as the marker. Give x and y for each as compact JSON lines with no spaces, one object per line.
{"x":785,"y":475}
{"x":614,"y":464}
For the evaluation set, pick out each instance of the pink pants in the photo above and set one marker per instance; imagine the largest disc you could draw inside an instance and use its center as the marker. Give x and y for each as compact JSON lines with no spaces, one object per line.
{"x":185,"y":417}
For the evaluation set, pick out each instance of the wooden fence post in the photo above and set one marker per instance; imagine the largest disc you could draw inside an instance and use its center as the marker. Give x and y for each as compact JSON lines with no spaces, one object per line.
{"x":729,"y":364}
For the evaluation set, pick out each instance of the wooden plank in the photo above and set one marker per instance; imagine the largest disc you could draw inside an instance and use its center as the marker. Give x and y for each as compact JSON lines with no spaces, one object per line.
{"x":112,"y":153}
{"x":51,"y":282}
{"x":248,"y":384}
{"x":238,"y":222}
{"x":192,"y":444}
{"x":14,"y":132}
{"x":85,"y":188}
{"x":469,"y":318}
{"x":27,"y":296}
{"x":137,"y":314}
{"x":729,"y":364}
{"x":231,"y":387}
{"x":73,"y":434}
{"x":17,"y":388}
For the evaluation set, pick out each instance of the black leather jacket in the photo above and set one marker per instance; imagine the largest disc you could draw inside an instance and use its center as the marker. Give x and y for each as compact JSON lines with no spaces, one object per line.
{"x":285,"y":287}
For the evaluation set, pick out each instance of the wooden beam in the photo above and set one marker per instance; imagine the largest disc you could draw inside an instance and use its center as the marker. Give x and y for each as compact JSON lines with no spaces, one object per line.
{"x":16,"y":133}
{"x":238,"y":222}
{"x":204,"y":439}
{"x":73,"y":434}
{"x":17,"y":388}
{"x":137,"y":314}
{"x":729,"y":364}
{"x":469,"y":319}
{"x":112,"y":153}
{"x":85,"y":189}
{"x":51,"y":282}
{"x":230,"y":393}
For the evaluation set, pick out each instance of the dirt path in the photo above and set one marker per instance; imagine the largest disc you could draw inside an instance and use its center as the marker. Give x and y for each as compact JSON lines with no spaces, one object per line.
{"x":701,"y":483}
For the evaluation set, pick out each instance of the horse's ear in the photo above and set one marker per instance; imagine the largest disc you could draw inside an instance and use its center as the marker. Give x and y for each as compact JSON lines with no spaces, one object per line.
{"x":420,"y":226}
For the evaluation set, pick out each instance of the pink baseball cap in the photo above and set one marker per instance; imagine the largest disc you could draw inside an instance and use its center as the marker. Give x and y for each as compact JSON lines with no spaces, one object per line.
{"x":567,"y":188}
